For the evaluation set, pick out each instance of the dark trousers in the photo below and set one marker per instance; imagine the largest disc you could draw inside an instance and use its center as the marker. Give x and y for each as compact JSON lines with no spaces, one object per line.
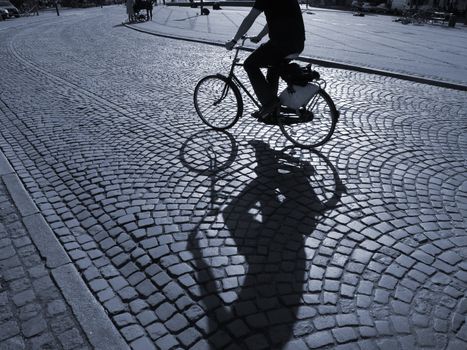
{"x":269,"y":55}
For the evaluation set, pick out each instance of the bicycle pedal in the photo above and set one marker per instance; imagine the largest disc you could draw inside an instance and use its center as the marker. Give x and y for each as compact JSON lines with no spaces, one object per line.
{"x":306,"y":116}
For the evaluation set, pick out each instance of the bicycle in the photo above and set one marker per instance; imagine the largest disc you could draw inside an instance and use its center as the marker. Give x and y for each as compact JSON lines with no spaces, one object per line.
{"x":219,"y":104}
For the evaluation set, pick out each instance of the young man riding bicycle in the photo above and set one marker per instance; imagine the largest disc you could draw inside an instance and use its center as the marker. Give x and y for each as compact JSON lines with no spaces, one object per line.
{"x":284,"y":24}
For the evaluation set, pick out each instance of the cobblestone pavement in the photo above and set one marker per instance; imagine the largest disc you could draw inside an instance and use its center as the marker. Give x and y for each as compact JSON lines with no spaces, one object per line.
{"x":33,"y":313}
{"x":193,"y":239}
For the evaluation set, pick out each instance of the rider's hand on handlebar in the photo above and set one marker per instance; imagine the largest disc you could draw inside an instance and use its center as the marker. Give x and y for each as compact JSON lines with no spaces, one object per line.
{"x":229,"y":45}
{"x":255,"y":39}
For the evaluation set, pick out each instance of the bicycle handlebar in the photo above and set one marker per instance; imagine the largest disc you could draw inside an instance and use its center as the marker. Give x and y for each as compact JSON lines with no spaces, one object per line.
{"x":243,"y":39}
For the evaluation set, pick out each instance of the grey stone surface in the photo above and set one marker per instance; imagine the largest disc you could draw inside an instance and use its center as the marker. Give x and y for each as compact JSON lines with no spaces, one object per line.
{"x":45,"y":240}
{"x":362,"y":245}
{"x":89,"y":313}
{"x":5,"y":166}
{"x":31,"y":313}
{"x":21,"y":198}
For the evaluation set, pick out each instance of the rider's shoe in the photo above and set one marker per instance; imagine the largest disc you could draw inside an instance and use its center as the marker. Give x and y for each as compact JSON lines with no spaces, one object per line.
{"x":255,"y":114}
{"x":271,"y":108}
{"x":271,"y":118}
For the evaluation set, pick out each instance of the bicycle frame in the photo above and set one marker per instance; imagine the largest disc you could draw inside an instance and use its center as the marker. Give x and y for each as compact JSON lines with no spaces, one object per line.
{"x":312,"y":107}
{"x":233,"y":78}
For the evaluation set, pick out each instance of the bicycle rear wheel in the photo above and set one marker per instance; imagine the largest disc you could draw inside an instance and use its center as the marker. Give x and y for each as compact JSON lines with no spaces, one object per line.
{"x":218,"y":102}
{"x":314,"y":125}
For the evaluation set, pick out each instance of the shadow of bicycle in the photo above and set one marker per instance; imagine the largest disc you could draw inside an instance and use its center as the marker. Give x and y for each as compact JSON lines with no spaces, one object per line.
{"x":252,"y":284}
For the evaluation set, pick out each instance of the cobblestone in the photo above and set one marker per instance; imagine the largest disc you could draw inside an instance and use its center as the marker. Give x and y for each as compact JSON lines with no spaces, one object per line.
{"x":365,"y":249}
{"x":28,"y":311}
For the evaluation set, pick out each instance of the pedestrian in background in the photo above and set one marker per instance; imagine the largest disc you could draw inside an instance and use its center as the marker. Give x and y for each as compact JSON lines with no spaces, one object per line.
{"x":36,"y":7}
{"x":129,"y":10}
{"x":149,"y":8}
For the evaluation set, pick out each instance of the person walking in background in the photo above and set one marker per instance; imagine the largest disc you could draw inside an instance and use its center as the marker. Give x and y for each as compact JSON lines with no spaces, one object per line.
{"x":36,"y":8}
{"x":129,"y":10}
{"x":149,"y":8}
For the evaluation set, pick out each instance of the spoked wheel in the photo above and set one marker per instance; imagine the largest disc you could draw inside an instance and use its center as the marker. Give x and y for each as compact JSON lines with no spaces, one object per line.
{"x":315,"y":124}
{"x":218,"y":102}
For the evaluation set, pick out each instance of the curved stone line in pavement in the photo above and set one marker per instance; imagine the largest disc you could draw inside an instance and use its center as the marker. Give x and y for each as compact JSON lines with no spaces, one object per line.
{"x":139,"y":219}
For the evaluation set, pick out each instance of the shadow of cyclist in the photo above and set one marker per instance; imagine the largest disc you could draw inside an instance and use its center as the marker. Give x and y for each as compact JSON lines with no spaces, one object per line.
{"x":268,"y":223}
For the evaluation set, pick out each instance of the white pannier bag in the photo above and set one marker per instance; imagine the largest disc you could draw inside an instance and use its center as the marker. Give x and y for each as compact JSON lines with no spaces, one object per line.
{"x":297,"y":96}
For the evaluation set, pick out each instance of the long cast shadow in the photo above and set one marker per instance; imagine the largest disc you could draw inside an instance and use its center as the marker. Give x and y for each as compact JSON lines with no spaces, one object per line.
{"x":255,"y":305}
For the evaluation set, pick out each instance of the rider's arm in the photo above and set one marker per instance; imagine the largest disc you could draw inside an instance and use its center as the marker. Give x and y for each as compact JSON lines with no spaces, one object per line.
{"x":261,"y":34}
{"x":247,"y":23}
{"x":244,"y":27}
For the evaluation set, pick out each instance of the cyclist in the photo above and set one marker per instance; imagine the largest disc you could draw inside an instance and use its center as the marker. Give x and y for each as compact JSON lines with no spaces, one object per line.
{"x":284,"y":24}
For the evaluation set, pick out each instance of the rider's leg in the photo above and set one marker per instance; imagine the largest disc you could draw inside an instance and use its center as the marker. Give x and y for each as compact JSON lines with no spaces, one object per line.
{"x":272,"y":55}
{"x":272,"y":78}
{"x":264,"y":56}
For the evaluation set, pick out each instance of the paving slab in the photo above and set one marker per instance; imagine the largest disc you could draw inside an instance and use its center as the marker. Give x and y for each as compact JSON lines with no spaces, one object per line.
{"x":374,"y":42}
{"x":30,"y":302}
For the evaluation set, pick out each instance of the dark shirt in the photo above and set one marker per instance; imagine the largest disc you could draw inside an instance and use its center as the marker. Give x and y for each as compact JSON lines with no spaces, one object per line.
{"x":284,"y":19}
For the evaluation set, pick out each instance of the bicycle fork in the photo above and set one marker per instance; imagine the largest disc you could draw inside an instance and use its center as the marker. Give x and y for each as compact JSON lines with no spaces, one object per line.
{"x":225,"y":91}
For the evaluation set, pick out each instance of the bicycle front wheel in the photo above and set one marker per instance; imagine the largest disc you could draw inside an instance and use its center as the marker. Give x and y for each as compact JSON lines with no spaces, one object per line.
{"x":218,"y":102}
{"x":313,"y":125}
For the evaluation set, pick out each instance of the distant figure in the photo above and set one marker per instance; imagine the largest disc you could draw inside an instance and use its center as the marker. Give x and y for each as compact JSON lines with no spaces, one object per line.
{"x":137,"y":5}
{"x":36,"y":8}
{"x":149,"y":8}
{"x":56,"y":7}
{"x":129,"y":10}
